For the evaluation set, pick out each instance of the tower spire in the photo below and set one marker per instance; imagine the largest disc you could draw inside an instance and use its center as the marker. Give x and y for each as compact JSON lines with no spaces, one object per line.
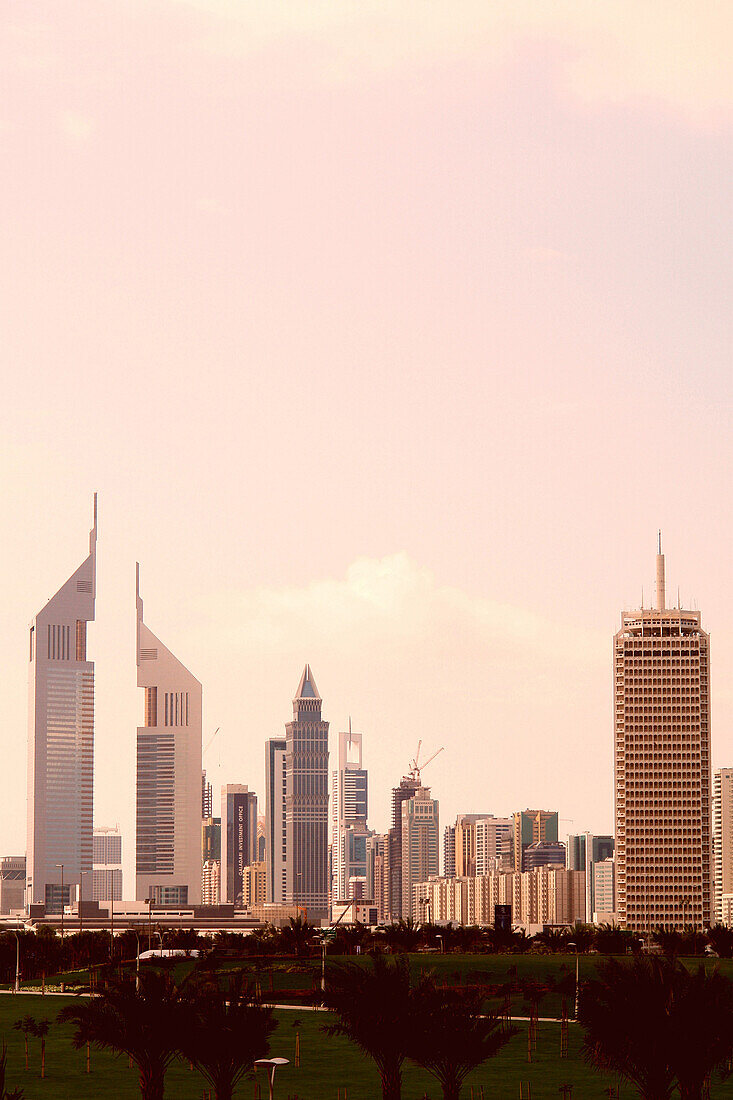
{"x":661,"y":599}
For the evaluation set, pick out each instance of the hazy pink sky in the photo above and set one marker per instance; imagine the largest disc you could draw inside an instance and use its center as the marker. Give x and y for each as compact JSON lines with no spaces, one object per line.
{"x":389,"y":334}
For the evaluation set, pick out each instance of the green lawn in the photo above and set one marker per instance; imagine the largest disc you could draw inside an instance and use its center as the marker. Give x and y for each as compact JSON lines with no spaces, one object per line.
{"x":328,"y":1066}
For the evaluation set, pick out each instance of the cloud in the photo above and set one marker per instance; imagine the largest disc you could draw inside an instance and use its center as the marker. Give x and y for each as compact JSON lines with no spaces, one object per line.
{"x":675,"y":51}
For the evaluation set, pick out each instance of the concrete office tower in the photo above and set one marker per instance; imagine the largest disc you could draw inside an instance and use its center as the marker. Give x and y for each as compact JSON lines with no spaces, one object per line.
{"x":12,"y":883}
{"x":493,"y":838}
{"x":377,"y":882}
{"x":583,"y":851}
{"x":238,"y":838}
{"x":531,"y":827}
{"x":722,"y":837}
{"x":662,"y":764}
{"x":61,"y":738}
{"x":275,"y":840}
{"x":349,"y":792}
{"x":169,"y":806}
{"x":107,"y":864}
{"x":409,"y":785}
{"x":420,"y":847}
{"x":306,"y":802}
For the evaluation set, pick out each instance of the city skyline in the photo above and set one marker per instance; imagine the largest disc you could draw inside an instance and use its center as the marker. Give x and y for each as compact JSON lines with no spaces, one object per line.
{"x":472,"y":258}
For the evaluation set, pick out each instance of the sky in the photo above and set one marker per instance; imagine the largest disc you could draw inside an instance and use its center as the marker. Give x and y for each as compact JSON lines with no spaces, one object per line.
{"x":389,"y":334}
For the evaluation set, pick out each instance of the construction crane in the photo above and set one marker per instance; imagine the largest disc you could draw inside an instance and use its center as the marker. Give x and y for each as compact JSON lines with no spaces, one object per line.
{"x":211,"y":741}
{"x":416,"y":767}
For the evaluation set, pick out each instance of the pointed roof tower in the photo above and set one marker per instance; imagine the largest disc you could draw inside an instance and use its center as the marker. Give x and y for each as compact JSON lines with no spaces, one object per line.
{"x":307,"y":687}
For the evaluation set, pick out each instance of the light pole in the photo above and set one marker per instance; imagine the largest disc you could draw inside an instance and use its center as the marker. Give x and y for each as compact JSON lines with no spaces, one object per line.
{"x":62,"y":898}
{"x":323,"y":965}
{"x":149,"y":902}
{"x":577,"y":973}
{"x":17,"y":961}
{"x":271,"y":1064}
{"x":442,"y":947}
{"x":137,"y":964}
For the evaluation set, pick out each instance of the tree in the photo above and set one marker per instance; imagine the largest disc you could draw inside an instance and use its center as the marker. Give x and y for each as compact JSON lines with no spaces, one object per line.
{"x":142,"y":1023}
{"x":41,"y":1029}
{"x":223,"y":1031}
{"x":625,"y":1013}
{"x":720,"y":938}
{"x":373,"y":1005}
{"x":613,"y":940}
{"x":296,"y":938}
{"x":449,"y":1036}
{"x":404,"y":935}
{"x":658,"y":1025}
{"x":27,"y":1025}
{"x":16,"y":1094}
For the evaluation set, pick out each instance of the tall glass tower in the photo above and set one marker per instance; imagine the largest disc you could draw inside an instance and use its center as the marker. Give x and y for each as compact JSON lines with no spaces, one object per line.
{"x":61,"y":739}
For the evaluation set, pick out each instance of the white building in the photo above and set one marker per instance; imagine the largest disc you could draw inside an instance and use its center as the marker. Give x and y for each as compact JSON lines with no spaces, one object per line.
{"x":61,"y":739}
{"x":349,"y":798}
{"x":492,"y":837}
{"x":168,"y":858}
{"x":107,"y":869}
{"x":275,"y":834}
{"x":604,"y":891}
{"x":420,"y":847}
{"x":722,"y":837}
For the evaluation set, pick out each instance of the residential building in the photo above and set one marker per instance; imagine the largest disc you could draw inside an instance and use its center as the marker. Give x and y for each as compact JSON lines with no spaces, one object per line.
{"x":604,"y":891}
{"x":12,"y":884}
{"x":238,"y":837}
{"x":493,"y":841}
{"x":107,"y":864}
{"x":275,"y":833}
{"x":61,"y":739}
{"x":664,"y":870}
{"x":169,"y":793}
{"x":722,"y":837}
{"x":409,"y":785}
{"x":547,"y":853}
{"x":349,"y":800}
{"x":211,"y":882}
{"x":306,"y":802}
{"x":207,"y":797}
{"x":543,"y":896}
{"x":449,"y":851}
{"x":377,"y":882}
{"x":420,"y":846}
{"x":254,"y":885}
{"x":531,"y":827}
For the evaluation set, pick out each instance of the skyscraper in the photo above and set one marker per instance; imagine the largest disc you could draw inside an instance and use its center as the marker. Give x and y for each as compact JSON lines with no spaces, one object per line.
{"x":61,"y":738}
{"x":584,"y":850}
{"x":662,"y":767}
{"x":168,"y":774}
{"x":306,"y":801}
{"x":348,"y":812}
{"x":409,"y":785}
{"x":107,"y":860}
{"x":275,"y":838}
{"x":420,"y":847}
{"x":238,"y":838}
{"x":532,"y":827}
{"x":722,"y":837}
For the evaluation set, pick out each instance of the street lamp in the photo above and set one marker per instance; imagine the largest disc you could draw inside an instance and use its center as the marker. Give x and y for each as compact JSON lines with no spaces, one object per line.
{"x":17,"y":961}
{"x":271,"y":1064}
{"x":62,"y":898}
{"x":442,"y":947}
{"x":149,"y":903}
{"x":577,"y":987}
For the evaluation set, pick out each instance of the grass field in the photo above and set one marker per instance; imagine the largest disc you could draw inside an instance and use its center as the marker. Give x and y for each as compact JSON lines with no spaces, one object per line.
{"x":330,"y":1065}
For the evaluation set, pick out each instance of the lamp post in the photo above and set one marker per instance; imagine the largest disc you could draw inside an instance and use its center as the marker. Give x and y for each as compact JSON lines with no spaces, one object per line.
{"x":149,"y":902}
{"x":137,"y":964}
{"x":271,"y":1064}
{"x":577,"y":974}
{"x":62,"y":898}
{"x":442,"y":947}
{"x":17,"y":961}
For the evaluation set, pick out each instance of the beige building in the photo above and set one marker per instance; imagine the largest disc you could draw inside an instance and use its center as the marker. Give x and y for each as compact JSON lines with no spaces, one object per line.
{"x":419,"y":846}
{"x":211,"y":882}
{"x":546,"y":895}
{"x":254,"y":885}
{"x":664,"y":873}
{"x":722,"y":837}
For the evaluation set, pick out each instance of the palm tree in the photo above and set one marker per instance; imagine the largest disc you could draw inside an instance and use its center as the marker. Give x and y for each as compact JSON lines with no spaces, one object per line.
{"x":223,"y":1031}
{"x":404,"y":935}
{"x":625,"y":1012}
{"x":296,"y":938}
{"x":702,"y":1038}
{"x":373,"y":1005}
{"x":142,"y":1023}
{"x":449,"y":1036}
{"x":41,"y":1028}
{"x":720,"y":938}
{"x":27,"y":1025}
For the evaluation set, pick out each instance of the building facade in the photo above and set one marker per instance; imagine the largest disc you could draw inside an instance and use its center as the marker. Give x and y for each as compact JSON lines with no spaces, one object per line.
{"x":420,"y":848}
{"x":61,"y":739}
{"x":544,"y":896}
{"x":107,"y":864}
{"x":169,"y":791}
{"x":254,"y":885}
{"x":584,"y":850}
{"x":349,"y":803}
{"x":604,"y":891}
{"x":532,"y":827}
{"x":306,"y":802}
{"x":722,"y":837}
{"x":409,"y":785}
{"x":275,"y":833}
{"x":12,"y":884}
{"x":664,"y":870}
{"x":493,"y":844}
{"x":238,"y":838}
